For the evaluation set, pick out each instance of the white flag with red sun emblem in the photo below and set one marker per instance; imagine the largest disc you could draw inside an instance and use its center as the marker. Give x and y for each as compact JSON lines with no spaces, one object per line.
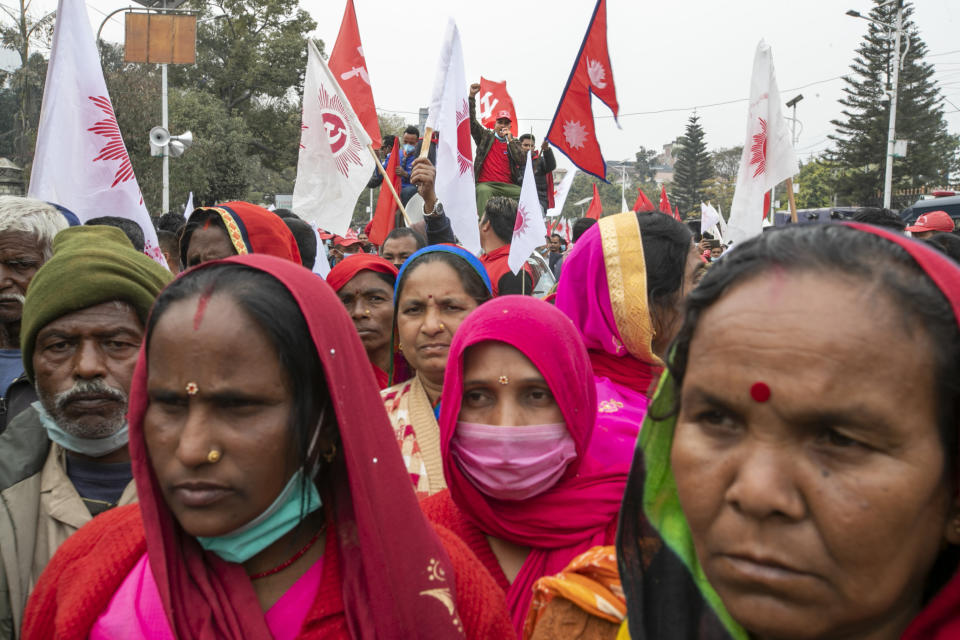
{"x":80,"y":161}
{"x":529,"y":231}
{"x":335,"y":163}
{"x":768,"y":156}
{"x":450,"y":115}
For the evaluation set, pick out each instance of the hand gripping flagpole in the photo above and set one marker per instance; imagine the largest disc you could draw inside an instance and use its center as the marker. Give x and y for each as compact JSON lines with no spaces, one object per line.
{"x":389,"y":183}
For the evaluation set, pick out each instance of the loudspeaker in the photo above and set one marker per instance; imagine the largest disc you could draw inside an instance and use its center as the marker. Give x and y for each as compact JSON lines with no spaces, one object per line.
{"x":159,"y":136}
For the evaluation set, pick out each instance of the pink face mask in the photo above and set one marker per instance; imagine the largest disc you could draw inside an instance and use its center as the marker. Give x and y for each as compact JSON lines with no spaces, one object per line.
{"x":512,"y":463}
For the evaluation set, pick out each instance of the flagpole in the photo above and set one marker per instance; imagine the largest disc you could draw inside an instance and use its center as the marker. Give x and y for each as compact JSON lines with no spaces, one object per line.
{"x":793,"y":202}
{"x":427,"y":138}
{"x":389,"y":183}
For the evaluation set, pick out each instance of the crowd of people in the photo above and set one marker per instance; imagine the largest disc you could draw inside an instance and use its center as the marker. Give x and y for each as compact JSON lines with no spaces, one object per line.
{"x":674,"y":441}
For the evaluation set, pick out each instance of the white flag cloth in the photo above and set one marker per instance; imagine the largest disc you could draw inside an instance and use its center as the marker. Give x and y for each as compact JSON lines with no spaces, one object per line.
{"x":80,"y":161}
{"x":187,"y":210}
{"x":722,"y":225}
{"x":768,"y":156}
{"x":321,"y":265}
{"x":560,"y":192}
{"x":334,"y":164}
{"x":450,"y":115}
{"x":529,"y":231}
{"x":708,"y":217}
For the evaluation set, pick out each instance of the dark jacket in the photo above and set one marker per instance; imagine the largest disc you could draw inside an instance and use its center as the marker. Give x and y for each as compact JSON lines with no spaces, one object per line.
{"x":20,"y":395}
{"x":484,"y":138}
{"x":543,"y":164}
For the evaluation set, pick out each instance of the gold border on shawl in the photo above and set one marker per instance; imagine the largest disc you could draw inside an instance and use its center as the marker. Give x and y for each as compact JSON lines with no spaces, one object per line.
{"x":627,"y":284}
{"x":233,"y":230}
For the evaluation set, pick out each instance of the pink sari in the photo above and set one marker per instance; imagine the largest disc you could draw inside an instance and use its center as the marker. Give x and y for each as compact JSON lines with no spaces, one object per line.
{"x":136,"y":610}
{"x":604,"y":292}
{"x":573,"y":515}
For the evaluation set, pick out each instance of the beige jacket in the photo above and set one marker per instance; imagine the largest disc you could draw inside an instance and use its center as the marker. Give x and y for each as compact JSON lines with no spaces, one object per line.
{"x":36,"y":515}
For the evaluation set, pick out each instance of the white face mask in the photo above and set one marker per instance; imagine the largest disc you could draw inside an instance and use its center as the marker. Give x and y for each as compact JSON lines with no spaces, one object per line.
{"x":93,"y":447}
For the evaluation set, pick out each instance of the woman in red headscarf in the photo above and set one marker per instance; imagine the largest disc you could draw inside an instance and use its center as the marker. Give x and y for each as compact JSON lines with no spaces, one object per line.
{"x":268,"y":476}
{"x":516,"y":420}
{"x":234,"y":228}
{"x":365,"y":285}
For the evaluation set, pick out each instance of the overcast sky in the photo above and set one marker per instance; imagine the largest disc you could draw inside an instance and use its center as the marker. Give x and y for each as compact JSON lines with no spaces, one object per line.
{"x":668,"y":56}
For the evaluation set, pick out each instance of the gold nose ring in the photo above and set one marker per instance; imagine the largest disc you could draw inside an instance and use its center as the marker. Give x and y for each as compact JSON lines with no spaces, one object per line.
{"x":213,"y":457}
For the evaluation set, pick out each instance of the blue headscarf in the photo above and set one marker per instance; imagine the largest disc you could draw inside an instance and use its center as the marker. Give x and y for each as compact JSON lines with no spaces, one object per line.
{"x":446,"y":248}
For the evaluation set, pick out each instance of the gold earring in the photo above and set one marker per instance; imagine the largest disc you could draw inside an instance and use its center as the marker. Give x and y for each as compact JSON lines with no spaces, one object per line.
{"x":330,"y":453}
{"x":213,"y":457}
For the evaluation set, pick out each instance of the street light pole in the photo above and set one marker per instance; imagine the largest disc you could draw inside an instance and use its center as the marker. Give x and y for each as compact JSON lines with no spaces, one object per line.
{"x":891,"y":130}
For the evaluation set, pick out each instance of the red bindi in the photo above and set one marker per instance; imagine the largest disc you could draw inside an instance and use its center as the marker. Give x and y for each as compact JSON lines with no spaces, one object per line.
{"x":760,"y":392}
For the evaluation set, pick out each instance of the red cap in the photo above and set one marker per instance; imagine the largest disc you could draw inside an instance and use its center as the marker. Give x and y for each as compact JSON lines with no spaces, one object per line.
{"x":932,"y":221}
{"x":505,"y":114}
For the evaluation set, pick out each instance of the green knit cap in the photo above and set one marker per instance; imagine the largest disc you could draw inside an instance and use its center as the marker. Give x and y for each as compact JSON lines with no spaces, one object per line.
{"x":90,"y":265}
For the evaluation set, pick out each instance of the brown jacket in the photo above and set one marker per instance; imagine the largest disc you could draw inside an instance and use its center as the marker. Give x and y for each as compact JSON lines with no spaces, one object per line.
{"x":37,"y":514}
{"x":484,"y":138}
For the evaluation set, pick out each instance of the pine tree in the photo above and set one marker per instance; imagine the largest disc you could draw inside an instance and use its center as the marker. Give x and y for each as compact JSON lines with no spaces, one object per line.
{"x":693,"y":168}
{"x":861,"y":137}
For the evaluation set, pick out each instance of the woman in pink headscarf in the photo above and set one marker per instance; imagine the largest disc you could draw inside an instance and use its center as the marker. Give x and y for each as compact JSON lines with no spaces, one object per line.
{"x":516,"y":420}
{"x":623,"y":286}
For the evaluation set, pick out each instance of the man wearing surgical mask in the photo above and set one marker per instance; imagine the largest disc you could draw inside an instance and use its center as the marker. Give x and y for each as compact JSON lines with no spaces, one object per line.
{"x":499,"y":161}
{"x":65,"y":459}
{"x":409,"y":150}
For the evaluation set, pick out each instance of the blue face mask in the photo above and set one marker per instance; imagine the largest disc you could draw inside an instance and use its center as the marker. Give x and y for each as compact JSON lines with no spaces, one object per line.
{"x":279,"y":519}
{"x":408,"y":148}
{"x":93,"y":447}
{"x":499,"y":137}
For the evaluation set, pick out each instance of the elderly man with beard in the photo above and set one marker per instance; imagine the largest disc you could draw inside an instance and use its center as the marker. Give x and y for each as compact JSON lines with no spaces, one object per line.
{"x":27,"y":229}
{"x":65,"y":459}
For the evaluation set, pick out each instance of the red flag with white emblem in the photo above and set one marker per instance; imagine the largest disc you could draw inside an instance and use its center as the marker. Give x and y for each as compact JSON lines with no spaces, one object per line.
{"x":350,"y":69}
{"x":768,"y":155}
{"x":335,"y":161}
{"x":492,"y":101}
{"x":450,"y":115}
{"x":572,"y":131}
{"x":80,"y":160}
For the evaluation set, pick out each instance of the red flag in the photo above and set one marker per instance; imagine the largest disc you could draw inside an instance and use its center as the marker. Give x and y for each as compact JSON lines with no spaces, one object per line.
{"x":572,"y":130}
{"x":643,"y":204}
{"x":676,"y":213}
{"x":385,"y":214}
{"x":491,"y":101}
{"x":596,"y":207}
{"x":350,"y":70}
{"x":665,"y":201}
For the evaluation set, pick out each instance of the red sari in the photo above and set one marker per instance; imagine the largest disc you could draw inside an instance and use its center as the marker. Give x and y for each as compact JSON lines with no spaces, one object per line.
{"x":391,"y":586}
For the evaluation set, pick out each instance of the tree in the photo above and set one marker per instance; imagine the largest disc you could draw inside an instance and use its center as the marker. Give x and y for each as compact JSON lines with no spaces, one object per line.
{"x":719,"y":189}
{"x":391,"y":124}
{"x":861,"y":136}
{"x":252,"y":55}
{"x":582,"y":187}
{"x":645,"y":168}
{"x":693,"y":168}
{"x":25,"y":31}
{"x":218,"y":167}
{"x":816,"y":182}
